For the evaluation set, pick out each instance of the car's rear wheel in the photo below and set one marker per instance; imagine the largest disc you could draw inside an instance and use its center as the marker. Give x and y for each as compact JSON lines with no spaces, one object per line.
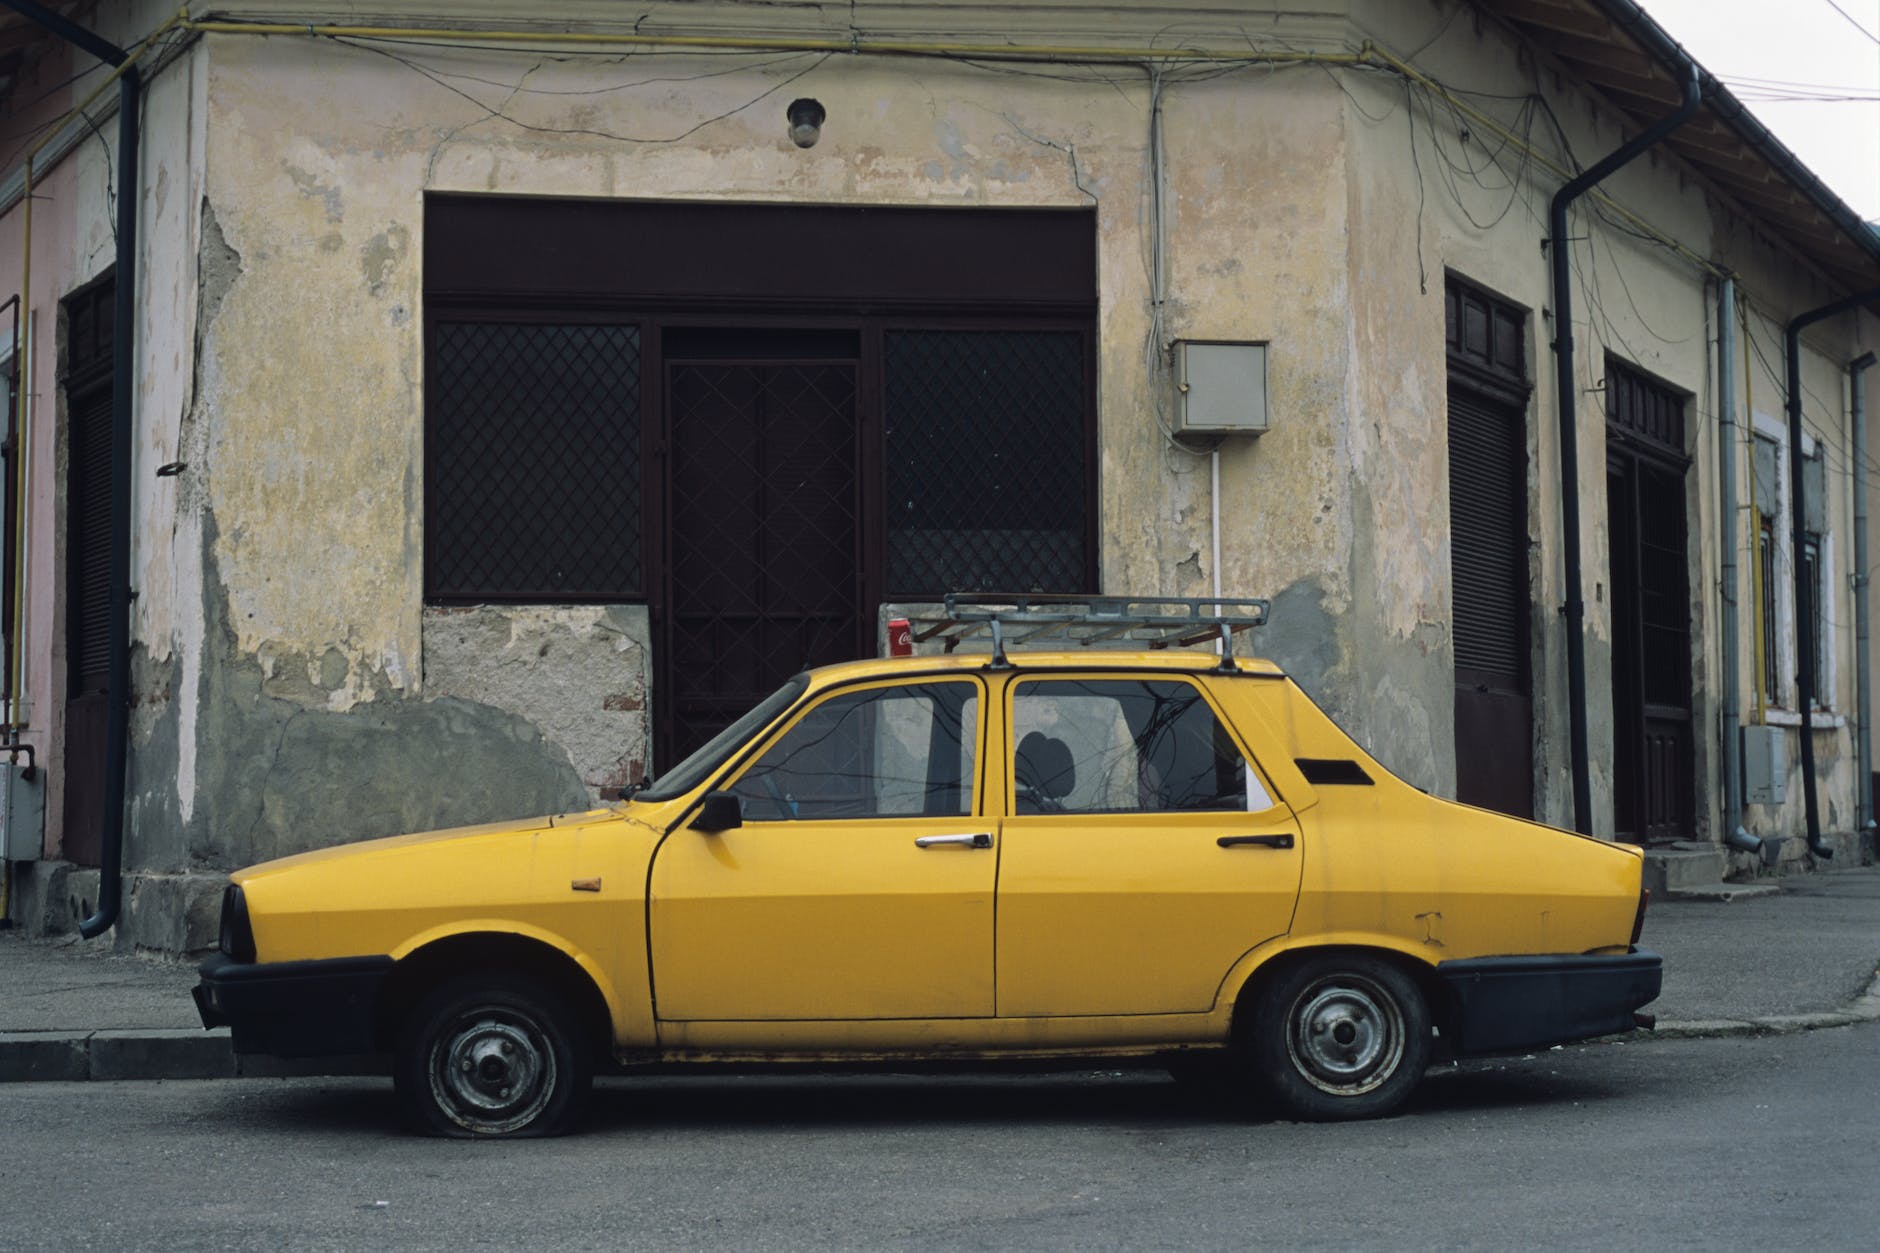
{"x":1337,"y":1037}
{"x":492,"y":1056}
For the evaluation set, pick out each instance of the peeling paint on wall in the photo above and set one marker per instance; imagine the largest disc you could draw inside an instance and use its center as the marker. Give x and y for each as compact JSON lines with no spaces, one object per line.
{"x":289,"y":774}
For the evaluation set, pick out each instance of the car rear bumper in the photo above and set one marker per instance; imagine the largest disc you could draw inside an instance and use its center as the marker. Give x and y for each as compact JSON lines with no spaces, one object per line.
{"x":293,"y":1009}
{"x":1504,"y":1003}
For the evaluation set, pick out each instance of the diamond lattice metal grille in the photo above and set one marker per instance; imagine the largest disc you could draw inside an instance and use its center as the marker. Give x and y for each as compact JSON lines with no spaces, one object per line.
{"x":533,"y":484}
{"x":763,"y":533}
{"x":986,"y":447}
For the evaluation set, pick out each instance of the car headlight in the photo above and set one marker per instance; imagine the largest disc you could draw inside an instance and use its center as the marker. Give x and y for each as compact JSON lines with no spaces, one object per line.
{"x":238,"y":935}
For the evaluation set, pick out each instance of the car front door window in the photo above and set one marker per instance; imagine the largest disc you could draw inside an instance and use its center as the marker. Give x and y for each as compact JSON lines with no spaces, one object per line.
{"x":892,"y":752}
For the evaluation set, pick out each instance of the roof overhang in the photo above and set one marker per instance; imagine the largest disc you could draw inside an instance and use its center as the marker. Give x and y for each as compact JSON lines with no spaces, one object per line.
{"x":1616,"y":48}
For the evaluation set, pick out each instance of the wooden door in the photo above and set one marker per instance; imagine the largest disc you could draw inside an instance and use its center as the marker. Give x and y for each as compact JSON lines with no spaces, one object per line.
{"x":1488,"y":554}
{"x":1651,"y":653}
{"x":88,"y":385}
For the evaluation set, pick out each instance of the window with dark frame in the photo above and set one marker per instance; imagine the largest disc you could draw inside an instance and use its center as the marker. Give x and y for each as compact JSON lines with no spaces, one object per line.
{"x":532,"y":476}
{"x":1775,"y":590}
{"x":1812,"y":609}
{"x":1766,"y":556}
{"x":985,"y":458}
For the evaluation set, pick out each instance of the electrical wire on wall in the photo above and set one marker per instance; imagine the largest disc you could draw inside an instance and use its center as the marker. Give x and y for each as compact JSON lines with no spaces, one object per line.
{"x":1456,"y":139}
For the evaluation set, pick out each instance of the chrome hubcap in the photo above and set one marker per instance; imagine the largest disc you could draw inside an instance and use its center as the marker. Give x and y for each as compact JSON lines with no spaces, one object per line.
{"x":1345,"y":1035}
{"x":492,"y":1071}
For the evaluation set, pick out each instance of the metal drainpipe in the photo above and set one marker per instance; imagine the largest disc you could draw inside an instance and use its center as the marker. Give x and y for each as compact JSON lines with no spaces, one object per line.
{"x":1569,"y":433}
{"x":123,"y":330}
{"x":1863,"y":665}
{"x":1734,"y":834}
{"x":1798,"y":521}
{"x":9,"y":527}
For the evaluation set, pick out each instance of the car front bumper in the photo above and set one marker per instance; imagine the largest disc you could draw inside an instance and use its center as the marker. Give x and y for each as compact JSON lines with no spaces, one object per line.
{"x":1505,"y":1003}
{"x":293,"y":1009}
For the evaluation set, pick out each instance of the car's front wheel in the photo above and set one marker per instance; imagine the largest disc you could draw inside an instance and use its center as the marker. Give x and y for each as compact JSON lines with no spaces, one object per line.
{"x":491,"y":1056}
{"x":1339,"y":1036}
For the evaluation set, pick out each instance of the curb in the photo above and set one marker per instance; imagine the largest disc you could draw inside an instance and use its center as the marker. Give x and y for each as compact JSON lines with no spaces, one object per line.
{"x":1863,"y":1008}
{"x":181,"y":1053}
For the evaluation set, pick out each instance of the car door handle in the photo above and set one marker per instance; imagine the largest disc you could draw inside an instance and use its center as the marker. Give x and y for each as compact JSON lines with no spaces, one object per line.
{"x":1264,"y":841}
{"x":980,"y":839}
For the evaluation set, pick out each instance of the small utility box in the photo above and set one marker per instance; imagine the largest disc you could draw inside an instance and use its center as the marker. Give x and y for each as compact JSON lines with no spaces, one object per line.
{"x":1765,"y":765}
{"x":22,"y":812}
{"x":1222,"y":387}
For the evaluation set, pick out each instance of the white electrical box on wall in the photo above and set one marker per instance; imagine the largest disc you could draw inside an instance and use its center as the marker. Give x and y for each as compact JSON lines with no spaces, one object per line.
{"x":1765,"y":765}
{"x":22,"y":812}
{"x":1222,"y":388}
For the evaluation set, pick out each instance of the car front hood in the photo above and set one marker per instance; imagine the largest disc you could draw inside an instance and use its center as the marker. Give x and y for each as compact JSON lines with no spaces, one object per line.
{"x":419,"y":839}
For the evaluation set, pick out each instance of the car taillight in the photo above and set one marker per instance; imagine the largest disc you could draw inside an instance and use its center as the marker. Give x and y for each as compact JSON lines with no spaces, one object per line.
{"x":1638,"y":923}
{"x":238,"y":935}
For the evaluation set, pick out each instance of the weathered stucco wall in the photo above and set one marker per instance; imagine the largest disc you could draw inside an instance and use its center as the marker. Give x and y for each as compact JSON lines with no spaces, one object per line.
{"x":320,"y":478}
{"x":1257,"y":239}
{"x":1293,"y":211}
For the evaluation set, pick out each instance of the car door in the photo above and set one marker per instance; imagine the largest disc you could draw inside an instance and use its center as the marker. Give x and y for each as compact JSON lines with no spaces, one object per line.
{"x":1144,"y":853}
{"x":860,"y":883}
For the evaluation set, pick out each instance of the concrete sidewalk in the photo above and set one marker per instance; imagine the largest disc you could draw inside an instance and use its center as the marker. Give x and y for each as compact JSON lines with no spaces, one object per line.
{"x":1801,"y":958}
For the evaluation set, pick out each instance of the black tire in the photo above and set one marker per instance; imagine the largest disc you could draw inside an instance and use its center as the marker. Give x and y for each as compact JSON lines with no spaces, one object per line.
{"x":492,"y":1056}
{"x":1338,"y":1037}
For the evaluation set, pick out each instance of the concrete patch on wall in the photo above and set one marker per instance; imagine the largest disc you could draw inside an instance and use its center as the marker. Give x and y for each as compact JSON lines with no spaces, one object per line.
{"x":1404,"y":730}
{"x":153,"y":820}
{"x":578,"y":672}
{"x":1301,"y":637}
{"x":380,"y":257}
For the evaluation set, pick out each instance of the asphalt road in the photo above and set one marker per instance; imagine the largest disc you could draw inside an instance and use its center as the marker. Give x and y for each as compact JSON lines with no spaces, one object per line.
{"x":1734,"y":1143}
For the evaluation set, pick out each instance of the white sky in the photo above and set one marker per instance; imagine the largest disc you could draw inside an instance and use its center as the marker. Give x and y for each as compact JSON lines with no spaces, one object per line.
{"x":1797,"y":47}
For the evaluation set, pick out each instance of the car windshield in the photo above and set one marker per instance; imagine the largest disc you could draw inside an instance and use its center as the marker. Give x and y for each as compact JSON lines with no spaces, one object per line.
{"x":687,"y":775}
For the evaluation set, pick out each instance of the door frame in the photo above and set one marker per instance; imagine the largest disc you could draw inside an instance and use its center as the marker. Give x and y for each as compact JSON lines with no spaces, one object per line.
{"x":86,"y":708}
{"x":1494,"y":373}
{"x":1627,"y":456}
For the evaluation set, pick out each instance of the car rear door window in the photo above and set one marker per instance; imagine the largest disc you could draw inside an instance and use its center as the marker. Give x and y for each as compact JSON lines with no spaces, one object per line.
{"x":1125,"y":746}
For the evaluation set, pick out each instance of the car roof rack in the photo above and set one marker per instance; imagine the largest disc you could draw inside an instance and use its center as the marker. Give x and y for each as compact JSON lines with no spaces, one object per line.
{"x":1150,"y":621}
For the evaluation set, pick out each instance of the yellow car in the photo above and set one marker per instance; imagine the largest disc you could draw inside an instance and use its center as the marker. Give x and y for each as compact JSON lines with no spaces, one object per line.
{"x":1156,"y":854}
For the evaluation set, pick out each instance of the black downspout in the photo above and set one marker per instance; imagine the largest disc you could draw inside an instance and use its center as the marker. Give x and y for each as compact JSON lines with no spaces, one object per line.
{"x":9,"y":530}
{"x":123,"y":330}
{"x":1569,"y":433}
{"x":1798,"y":520}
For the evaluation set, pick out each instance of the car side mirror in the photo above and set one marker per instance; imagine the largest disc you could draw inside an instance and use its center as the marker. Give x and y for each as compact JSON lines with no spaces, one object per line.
{"x":719,"y":811}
